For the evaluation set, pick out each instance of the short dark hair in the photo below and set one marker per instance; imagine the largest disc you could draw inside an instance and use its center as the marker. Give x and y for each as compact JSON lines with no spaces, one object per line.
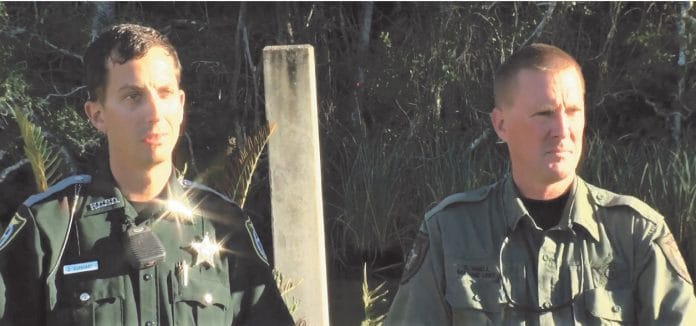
{"x":119,"y":44}
{"x":537,"y":56}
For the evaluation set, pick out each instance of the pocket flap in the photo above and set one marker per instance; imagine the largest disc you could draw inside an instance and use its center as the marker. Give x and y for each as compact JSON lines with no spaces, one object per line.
{"x":613,"y":305}
{"x":205,"y":292}
{"x":474,"y":285}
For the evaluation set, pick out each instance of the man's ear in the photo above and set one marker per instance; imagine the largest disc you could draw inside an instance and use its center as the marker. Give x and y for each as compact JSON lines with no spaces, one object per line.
{"x":182,"y":98}
{"x":498,"y":122}
{"x":94,"y":111}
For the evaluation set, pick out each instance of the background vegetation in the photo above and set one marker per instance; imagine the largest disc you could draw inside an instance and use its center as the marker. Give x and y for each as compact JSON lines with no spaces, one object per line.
{"x":404,"y":92}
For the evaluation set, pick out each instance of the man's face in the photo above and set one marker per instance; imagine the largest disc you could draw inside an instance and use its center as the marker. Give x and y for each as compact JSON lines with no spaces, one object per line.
{"x":142,"y":109}
{"x":543,"y":124}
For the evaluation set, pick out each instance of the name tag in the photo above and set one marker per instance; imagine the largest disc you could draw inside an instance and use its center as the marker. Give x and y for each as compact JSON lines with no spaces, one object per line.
{"x":81,"y":267}
{"x":104,"y":203}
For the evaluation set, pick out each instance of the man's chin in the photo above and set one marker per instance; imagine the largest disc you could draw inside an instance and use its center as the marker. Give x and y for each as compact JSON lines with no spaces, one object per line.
{"x":557,"y":175}
{"x":561,"y":170}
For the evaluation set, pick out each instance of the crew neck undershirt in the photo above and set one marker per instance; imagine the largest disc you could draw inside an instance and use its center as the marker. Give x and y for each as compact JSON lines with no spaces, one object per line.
{"x":546,"y":213}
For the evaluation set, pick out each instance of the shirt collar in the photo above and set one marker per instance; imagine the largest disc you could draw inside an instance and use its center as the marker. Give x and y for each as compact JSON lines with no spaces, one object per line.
{"x":514,"y":208}
{"x":106,"y":196}
{"x":582,"y":212}
{"x":578,"y":210}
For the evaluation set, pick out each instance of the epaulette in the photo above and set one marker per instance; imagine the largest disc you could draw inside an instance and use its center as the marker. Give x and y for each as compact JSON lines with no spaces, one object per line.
{"x":607,"y":198}
{"x":59,"y":186}
{"x":190,"y":184}
{"x":462,"y":197}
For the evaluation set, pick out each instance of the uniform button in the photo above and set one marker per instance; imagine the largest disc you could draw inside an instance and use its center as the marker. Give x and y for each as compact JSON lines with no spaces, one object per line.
{"x":147,"y":277}
{"x":208,"y":298}
{"x":84,"y":297}
{"x":546,"y":305}
{"x":616,"y":308}
{"x":150,"y":323}
{"x":547,"y":258}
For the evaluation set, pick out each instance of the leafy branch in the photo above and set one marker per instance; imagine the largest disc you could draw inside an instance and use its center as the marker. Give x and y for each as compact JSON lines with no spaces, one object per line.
{"x":371,"y":298}
{"x":44,"y":161}
{"x":242,"y":167}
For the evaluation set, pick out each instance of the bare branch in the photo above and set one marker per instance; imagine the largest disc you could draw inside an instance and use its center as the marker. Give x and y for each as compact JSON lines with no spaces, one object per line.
{"x":15,"y":31}
{"x":73,"y":91}
{"x":542,"y":23}
{"x":691,"y":19}
{"x":245,"y":38}
{"x":615,"y":95}
{"x":612,"y":31}
{"x":14,"y":167}
{"x":479,"y":140}
{"x":56,"y":48}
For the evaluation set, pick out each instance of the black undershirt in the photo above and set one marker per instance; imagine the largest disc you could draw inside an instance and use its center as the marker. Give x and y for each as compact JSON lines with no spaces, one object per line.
{"x":546,"y":213}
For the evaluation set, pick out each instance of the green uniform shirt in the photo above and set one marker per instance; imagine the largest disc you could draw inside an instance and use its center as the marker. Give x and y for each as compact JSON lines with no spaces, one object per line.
{"x":85,"y":278}
{"x":610,"y":260}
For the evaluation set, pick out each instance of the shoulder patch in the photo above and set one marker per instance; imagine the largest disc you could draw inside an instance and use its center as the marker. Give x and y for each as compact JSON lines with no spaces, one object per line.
{"x":609,"y":199}
{"x":190,"y":184}
{"x":62,"y":184}
{"x":12,"y":229}
{"x":416,"y":256}
{"x":462,"y":197}
{"x":676,"y":260}
{"x":256,"y":241}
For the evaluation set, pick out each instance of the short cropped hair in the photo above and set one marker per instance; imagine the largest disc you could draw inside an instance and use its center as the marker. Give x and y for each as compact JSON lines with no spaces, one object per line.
{"x":120,"y":44}
{"x":537,"y":56}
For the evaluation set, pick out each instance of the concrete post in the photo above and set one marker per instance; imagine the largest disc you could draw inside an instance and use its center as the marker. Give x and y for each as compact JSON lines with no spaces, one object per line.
{"x":295,"y":172}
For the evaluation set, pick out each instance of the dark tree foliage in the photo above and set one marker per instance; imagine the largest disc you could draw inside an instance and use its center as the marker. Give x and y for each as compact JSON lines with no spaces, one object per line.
{"x":394,"y":79}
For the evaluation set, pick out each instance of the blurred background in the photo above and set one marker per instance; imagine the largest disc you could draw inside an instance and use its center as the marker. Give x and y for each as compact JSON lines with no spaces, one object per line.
{"x":404,"y":95}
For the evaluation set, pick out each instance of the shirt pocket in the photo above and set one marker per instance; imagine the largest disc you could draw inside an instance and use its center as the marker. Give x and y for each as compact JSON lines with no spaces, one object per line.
{"x":610,"y":307}
{"x":204,"y":300}
{"x":474,"y":292}
{"x":92,"y":302}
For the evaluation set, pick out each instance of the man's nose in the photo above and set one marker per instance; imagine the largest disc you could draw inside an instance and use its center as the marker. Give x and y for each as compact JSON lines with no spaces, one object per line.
{"x":153,"y":107}
{"x":561,"y":124}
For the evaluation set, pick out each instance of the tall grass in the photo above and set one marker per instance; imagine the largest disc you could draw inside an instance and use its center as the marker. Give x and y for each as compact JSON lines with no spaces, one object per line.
{"x":370,"y":199}
{"x":662,"y":175}
{"x":385,"y":185}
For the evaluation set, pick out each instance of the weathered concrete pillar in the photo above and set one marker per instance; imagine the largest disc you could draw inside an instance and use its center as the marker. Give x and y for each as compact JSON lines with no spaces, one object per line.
{"x":295,"y":170}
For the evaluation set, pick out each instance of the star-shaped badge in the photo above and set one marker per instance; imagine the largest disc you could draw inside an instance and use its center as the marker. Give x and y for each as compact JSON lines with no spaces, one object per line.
{"x":205,"y":251}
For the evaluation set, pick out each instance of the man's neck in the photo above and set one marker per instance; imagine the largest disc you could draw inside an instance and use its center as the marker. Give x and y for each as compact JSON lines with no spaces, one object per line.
{"x":141,"y":184}
{"x":543,"y":191}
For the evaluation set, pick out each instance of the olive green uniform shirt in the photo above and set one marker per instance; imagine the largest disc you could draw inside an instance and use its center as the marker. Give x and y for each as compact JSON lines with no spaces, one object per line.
{"x":85,"y":278}
{"x":610,"y":260}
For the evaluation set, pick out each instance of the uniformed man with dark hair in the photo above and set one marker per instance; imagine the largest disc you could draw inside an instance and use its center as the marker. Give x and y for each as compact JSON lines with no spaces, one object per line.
{"x":134,"y":243}
{"x":542,"y":246}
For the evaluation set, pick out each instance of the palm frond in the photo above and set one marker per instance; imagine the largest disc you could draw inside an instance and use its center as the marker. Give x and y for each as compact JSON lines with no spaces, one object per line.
{"x":242,"y":167}
{"x":371,"y":299}
{"x":44,"y":160}
{"x":285,"y":286}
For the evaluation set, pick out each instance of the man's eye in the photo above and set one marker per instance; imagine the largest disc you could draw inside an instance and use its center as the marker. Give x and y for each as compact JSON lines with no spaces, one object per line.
{"x":166,"y":93}
{"x":133,"y":97}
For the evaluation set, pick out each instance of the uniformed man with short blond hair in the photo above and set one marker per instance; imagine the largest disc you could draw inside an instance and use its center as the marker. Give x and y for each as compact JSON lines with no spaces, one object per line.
{"x":134,"y":243}
{"x":542,"y":246}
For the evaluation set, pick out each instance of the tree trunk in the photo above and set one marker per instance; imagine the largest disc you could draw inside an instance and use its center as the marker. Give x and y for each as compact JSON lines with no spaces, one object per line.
{"x":233,"y":103}
{"x":103,"y":14}
{"x":361,"y":52}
